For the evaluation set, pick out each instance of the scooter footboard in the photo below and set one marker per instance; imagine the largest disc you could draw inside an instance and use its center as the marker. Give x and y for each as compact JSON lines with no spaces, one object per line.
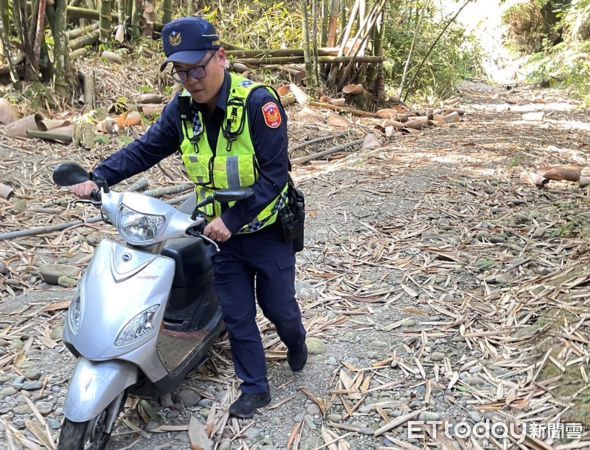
{"x":95,"y":385}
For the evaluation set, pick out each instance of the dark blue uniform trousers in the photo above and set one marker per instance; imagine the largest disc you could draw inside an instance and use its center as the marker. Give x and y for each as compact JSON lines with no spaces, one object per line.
{"x":257,"y":266}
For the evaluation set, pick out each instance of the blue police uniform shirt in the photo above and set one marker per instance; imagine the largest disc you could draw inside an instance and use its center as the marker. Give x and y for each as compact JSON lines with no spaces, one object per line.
{"x":165,"y":136}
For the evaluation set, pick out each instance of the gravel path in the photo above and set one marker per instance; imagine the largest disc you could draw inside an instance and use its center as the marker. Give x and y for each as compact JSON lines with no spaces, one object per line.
{"x":384,"y":262}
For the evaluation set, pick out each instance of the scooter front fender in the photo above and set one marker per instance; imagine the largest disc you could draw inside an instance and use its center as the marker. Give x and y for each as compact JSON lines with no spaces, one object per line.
{"x":95,"y":385}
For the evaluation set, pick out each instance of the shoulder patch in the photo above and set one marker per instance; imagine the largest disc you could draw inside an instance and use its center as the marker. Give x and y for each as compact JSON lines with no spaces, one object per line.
{"x":272,"y":115}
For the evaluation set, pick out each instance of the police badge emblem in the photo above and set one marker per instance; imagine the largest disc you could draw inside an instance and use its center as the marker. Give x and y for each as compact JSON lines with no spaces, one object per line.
{"x":175,"y":38}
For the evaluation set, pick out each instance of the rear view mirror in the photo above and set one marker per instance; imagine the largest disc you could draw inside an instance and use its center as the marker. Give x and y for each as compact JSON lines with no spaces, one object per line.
{"x":69,"y":173}
{"x":233,"y":195}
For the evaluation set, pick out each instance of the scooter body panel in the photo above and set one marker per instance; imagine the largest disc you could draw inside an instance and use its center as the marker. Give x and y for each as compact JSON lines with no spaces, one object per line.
{"x":120,"y":284}
{"x":95,"y":385}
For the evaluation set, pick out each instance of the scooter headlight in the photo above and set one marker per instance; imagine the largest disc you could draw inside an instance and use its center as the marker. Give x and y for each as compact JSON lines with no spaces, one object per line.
{"x":138,"y":327}
{"x":138,"y":228}
{"x":75,"y":312}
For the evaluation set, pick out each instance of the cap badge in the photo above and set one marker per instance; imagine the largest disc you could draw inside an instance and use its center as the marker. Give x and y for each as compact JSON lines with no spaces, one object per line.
{"x":175,"y":38}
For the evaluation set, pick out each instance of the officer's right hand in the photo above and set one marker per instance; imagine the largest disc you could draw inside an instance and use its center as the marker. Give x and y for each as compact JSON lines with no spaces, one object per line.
{"x":83,"y":190}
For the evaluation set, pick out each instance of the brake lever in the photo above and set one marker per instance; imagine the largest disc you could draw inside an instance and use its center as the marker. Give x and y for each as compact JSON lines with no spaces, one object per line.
{"x":210,"y":241}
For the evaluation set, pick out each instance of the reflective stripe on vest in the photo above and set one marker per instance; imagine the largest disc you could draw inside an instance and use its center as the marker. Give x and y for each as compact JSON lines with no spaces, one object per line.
{"x":234,"y":164}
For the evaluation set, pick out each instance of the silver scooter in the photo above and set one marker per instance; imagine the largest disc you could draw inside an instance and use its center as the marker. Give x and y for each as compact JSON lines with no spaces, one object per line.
{"x":144,"y":314}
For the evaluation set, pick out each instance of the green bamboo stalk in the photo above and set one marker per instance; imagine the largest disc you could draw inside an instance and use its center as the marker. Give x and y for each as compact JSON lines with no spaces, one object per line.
{"x":167,"y":11}
{"x":4,"y":37}
{"x":316,"y":67}
{"x":309,"y":67}
{"x":106,"y":23}
{"x":61,"y":61}
{"x":136,"y":19}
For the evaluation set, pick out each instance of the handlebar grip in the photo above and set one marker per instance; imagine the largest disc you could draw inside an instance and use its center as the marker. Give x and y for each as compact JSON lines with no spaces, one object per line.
{"x":196,"y":230}
{"x":95,"y":195}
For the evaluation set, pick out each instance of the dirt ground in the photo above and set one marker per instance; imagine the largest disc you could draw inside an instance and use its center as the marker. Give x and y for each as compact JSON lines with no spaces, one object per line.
{"x":436,"y":287}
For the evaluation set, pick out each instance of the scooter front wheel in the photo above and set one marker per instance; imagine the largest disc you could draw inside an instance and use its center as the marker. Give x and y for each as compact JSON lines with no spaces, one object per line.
{"x":90,"y":435}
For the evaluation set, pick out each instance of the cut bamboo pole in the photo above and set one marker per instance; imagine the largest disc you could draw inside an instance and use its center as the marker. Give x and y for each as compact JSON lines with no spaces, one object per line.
{"x":327,"y":152}
{"x":88,"y":89}
{"x":300,"y":59}
{"x":355,"y":112}
{"x":254,"y":53}
{"x":362,"y":36}
{"x":77,"y":32}
{"x":50,"y":136}
{"x":84,"y":40}
{"x":6,"y":191}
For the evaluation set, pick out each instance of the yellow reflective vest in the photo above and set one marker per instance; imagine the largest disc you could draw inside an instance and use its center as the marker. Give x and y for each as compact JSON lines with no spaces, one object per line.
{"x":233,"y":164}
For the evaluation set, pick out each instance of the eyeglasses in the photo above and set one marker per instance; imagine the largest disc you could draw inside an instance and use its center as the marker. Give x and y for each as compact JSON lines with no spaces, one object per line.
{"x":195,"y":72}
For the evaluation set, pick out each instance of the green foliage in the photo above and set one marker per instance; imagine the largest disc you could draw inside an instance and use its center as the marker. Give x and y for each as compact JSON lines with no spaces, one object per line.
{"x":120,"y":106}
{"x":565,"y":65}
{"x":455,"y":58}
{"x":576,"y":22}
{"x":536,"y":24}
{"x":35,"y":95}
{"x":257,"y":23}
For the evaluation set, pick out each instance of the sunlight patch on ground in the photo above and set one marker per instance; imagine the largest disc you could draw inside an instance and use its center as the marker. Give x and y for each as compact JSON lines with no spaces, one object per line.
{"x":550,"y":123}
{"x":530,"y":107}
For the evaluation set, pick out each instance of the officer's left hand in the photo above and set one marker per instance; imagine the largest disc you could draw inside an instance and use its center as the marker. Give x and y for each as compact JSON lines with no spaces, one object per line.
{"x":217,"y":231}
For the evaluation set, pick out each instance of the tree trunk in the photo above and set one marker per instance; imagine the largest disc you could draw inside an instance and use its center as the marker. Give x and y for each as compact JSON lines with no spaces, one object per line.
{"x":61,"y":63}
{"x":106,"y":24}
{"x":166,"y":11}
{"x":4,"y":36}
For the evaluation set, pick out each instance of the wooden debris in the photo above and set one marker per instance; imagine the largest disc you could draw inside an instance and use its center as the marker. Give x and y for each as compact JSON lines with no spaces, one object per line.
{"x":353,"y":89}
{"x":6,"y":191}
{"x":198,"y":436}
{"x":321,"y":154}
{"x":112,"y":57}
{"x":7,"y":112}
{"x":19,"y":127}
{"x":568,"y":173}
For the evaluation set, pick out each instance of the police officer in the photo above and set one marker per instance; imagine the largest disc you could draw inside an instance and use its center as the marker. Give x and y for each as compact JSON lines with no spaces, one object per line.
{"x":231,"y":132}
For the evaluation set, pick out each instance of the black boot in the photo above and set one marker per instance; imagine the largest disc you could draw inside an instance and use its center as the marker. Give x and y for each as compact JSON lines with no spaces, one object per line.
{"x":245,"y":406}
{"x":298,"y":359}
